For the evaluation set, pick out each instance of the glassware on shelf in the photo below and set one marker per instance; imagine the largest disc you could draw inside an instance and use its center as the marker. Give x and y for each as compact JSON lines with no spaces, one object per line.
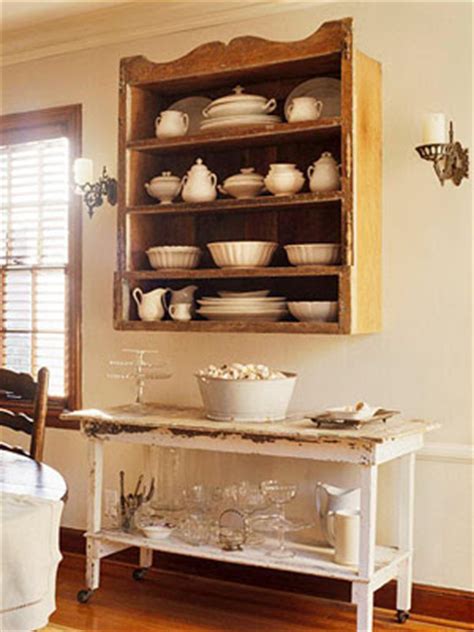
{"x":168,"y":502}
{"x":278,"y":494}
{"x":280,"y":526}
{"x":196,"y":529}
{"x":140,"y":372}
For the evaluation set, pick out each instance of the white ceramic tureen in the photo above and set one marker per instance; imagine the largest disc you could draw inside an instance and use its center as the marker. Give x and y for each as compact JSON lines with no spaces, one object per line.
{"x":165,"y":187}
{"x":239,"y":103}
{"x":246,"y":184}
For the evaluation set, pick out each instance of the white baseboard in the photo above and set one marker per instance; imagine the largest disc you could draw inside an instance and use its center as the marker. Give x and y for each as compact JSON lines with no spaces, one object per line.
{"x":447,"y":452}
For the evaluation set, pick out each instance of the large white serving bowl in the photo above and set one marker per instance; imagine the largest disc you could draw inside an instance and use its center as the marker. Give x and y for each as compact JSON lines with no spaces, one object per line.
{"x":313,"y":254}
{"x":186,"y":257}
{"x":242,"y":254}
{"x":246,"y":400}
{"x":313,"y":311}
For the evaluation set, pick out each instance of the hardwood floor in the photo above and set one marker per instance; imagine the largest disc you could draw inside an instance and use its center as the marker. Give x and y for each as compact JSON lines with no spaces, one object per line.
{"x":172,"y":602}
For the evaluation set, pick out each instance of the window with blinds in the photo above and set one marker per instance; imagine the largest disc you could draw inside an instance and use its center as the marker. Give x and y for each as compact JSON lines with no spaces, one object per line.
{"x":34,"y":258}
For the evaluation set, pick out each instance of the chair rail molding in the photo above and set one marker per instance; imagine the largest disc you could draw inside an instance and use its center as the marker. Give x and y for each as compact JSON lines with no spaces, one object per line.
{"x":130,"y":21}
{"x":447,"y":453}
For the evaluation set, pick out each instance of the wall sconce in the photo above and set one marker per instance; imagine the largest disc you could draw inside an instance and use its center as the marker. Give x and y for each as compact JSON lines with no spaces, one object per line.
{"x":93,"y":193}
{"x":450,"y":159}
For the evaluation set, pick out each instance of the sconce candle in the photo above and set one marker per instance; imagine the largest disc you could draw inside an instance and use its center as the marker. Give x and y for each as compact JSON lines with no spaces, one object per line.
{"x":434,"y":128}
{"x":83,"y":170}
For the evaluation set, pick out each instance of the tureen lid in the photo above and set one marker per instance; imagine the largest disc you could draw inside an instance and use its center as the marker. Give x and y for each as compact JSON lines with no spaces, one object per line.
{"x":246,"y":175}
{"x":238,"y":96}
{"x":165,"y":175}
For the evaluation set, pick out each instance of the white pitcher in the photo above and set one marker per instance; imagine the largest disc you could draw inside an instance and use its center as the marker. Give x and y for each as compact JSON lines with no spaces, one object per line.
{"x":330,"y":499}
{"x":151,"y":306}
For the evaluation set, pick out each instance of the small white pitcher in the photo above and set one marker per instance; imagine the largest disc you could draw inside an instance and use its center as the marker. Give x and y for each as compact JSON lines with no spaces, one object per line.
{"x":171,"y":123}
{"x":330,"y":499}
{"x":151,"y":306}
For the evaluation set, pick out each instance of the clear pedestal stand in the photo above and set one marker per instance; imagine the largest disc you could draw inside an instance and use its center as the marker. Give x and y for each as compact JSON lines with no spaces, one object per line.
{"x":140,"y":372}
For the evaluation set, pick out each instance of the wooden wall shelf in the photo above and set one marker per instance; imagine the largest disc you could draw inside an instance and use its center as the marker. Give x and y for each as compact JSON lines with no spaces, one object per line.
{"x":241,"y":137}
{"x":242,"y":205}
{"x":350,"y":217}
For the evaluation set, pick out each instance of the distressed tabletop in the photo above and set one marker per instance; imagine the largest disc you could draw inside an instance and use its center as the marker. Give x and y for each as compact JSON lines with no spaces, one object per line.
{"x":191,"y":422}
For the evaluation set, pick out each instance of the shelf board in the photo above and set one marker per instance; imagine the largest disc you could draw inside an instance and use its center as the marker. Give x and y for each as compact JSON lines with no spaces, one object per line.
{"x":269,"y":202}
{"x":241,"y":136}
{"x":235,"y":273}
{"x":312,"y":560}
{"x":209,"y":326}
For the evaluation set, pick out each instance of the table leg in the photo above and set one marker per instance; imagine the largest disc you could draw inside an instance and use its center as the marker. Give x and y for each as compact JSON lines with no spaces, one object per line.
{"x":362,"y":592}
{"x":363,"y":597}
{"x":406,"y":493}
{"x":94,"y":518}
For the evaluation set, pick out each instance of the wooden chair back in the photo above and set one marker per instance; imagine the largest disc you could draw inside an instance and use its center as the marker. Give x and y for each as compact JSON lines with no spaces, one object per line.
{"x":24,"y":387}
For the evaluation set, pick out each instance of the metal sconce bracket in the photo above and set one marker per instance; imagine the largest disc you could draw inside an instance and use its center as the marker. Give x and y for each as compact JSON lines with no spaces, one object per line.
{"x":94,"y":194}
{"x":451,"y":160}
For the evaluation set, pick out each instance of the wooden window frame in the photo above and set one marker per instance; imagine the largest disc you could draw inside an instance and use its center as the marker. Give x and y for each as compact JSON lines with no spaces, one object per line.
{"x":26,"y":127}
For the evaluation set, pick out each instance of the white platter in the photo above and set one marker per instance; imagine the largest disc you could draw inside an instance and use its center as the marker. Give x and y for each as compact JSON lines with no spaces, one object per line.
{"x":270,"y":316}
{"x":193,"y":107}
{"x":325,"y":89}
{"x":250,"y":119}
{"x":252,"y":294}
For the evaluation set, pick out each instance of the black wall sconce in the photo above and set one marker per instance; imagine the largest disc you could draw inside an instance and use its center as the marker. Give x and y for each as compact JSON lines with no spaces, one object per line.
{"x":93,"y":193}
{"x":450,"y":160}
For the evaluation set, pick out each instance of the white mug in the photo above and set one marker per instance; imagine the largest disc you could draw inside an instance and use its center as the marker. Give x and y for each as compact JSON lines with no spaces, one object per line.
{"x":180,"y":311}
{"x":346,"y":536}
{"x":171,"y":123}
{"x":304,"y":109}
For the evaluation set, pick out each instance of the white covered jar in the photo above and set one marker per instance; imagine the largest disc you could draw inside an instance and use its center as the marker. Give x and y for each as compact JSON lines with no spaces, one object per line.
{"x":324,"y":174}
{"x":199,"y":184}
{"x":164,"y":187}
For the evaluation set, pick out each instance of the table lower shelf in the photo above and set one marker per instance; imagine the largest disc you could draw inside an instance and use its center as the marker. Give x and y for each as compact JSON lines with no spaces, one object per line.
{"x":311,"y":560}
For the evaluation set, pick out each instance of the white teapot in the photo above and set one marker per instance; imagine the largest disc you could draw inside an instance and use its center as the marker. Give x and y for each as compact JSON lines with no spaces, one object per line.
{"x":324,"y":174}
{"x":151,"y":306}
{"x":199,"y":184}
{"x":284,"y":179}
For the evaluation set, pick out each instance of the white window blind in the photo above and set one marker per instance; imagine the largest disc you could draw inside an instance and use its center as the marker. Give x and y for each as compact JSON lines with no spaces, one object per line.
{"x":34,"y":198}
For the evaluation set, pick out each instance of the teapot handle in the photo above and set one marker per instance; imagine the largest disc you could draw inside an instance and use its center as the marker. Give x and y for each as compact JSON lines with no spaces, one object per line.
{"x":269,"y":106}
{"x":222,"y":190}
{"x":184,"y":179}
{"x":310,"y":171}
{"x":213,"y":179}
{"x":319,"y":108}
{"x":157,"y":120}
{"x":290,"y":108}
{"x":137,"y":295}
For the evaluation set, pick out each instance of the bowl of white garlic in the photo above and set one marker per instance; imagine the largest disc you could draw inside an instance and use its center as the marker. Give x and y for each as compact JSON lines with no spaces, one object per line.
{"x":245,"y":392}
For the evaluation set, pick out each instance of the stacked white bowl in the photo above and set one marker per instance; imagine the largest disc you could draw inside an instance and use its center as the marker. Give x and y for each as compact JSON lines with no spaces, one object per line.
{"x":242,"y":254}
{"x":243,"y":306}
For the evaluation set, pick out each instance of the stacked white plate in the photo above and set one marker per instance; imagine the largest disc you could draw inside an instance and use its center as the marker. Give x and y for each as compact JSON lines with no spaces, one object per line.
{"x":239,"y":108}
{"x":248,"y":308}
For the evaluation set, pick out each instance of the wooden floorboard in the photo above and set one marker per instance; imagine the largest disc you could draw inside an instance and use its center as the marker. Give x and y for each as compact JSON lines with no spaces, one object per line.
{"x":174,"y":602}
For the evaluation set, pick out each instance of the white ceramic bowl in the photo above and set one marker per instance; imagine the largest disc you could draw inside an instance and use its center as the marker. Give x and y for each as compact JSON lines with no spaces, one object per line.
{"x":164,"y":188}
{"x":313,"y":254}
{"x":157,"y":532}
{"x":246,"y":400}
{"x":174,"y":256}
{"x":313,"y":311}
{"x":242,"y":254}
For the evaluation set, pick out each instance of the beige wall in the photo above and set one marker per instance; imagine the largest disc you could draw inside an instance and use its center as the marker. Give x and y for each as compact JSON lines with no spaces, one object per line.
{"x":420,"y":363}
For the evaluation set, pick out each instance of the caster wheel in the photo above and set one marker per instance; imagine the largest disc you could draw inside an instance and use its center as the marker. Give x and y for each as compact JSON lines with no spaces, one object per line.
{"x":139,"y":574}
{"x":83,"y":596}
{"x":402,"y":616}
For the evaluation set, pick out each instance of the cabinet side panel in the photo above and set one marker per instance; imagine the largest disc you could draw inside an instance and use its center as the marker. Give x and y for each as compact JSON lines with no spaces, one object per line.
{"x":367,"y":315}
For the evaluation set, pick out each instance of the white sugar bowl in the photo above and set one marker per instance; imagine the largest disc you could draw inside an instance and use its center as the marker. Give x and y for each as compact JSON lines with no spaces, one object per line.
{"x":199,"y":184}
{"x":284,"y":179}
{"x":324,"y":174}
{"x":164,"y":188}
{"x":246,"y":184}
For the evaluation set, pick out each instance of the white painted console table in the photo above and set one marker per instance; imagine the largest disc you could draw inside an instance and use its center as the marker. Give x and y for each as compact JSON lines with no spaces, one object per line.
{"x":367,"y":448}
